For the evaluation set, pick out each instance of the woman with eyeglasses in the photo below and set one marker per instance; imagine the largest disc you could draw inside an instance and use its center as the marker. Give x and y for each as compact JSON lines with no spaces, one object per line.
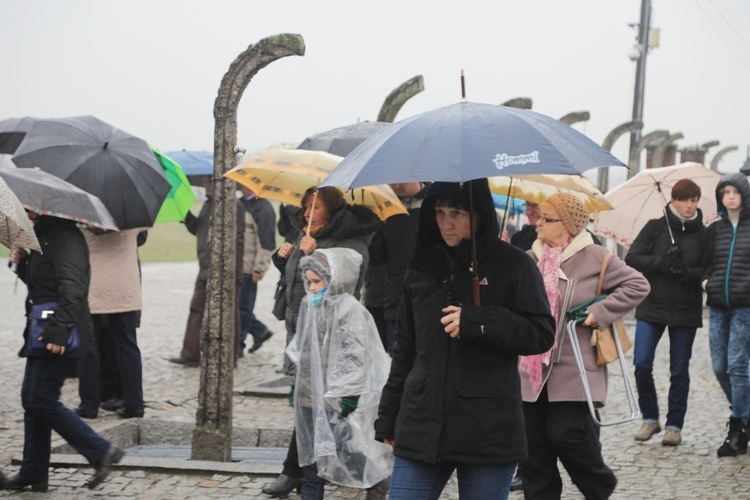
{"x":558,"y":422}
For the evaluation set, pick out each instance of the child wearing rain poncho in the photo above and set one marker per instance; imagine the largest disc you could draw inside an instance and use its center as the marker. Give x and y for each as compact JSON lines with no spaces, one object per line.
{"x":341,"y":369}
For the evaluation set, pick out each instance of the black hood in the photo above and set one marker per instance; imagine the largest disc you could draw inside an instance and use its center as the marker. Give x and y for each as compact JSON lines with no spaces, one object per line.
{"x":739,"y":181}
{"x":428,"y":236}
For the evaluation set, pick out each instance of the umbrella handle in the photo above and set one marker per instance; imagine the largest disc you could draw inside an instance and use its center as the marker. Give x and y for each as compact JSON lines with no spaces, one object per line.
{"x":664,"y":209}
{"x":475,"y":286}
{"x":312,"y":209}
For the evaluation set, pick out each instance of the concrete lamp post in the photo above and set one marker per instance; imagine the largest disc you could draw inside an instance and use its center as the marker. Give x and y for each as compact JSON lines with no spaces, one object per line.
{"x":212,"y":436}
{"x":609,"y":141}
{"x":658,"y":159}
{"x":634,"y":163}
{"x":575,"y":117}
{"x":396,"y":99}
{"x":719,"y":155}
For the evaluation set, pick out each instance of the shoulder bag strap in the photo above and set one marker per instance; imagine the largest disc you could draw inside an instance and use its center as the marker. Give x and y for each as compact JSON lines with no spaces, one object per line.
{"x":601,"y":274}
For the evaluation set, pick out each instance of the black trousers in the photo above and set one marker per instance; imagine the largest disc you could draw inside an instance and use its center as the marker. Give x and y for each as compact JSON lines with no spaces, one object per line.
{"x":121,"y":327}
{"x":566,"y":431}
{"x":291,"y":463}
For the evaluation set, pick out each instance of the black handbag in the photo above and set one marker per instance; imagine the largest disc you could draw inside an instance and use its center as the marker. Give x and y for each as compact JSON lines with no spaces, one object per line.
{"x":279,"y":299}
{"x":39,"y":319}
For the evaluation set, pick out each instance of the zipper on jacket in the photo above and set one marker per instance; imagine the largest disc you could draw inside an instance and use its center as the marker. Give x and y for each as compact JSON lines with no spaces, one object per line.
{"x":729,"y":263}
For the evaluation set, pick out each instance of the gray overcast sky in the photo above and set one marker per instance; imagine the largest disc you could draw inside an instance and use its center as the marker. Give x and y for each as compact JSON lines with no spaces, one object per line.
{"x":153,"y":67}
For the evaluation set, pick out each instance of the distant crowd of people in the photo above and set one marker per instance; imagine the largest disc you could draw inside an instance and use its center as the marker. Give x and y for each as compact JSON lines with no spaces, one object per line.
{"x":419,"y":346}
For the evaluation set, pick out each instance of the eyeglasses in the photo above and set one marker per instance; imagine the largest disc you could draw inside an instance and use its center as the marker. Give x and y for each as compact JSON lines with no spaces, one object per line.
{"x":547,"y":219}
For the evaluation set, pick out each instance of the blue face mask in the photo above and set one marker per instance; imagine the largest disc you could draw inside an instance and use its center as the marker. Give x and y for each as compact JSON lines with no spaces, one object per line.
{"x":317,"y":298}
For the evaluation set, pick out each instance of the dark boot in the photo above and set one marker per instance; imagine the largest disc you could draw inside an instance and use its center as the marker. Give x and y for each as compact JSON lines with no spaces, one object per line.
{"x":19,"y":482}
{"x":379,"y":491}
{"x":283,"y":486}
{"x":736,"y":441}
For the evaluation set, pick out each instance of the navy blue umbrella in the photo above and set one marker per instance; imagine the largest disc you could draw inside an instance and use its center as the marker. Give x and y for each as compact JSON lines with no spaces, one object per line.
{"x":466,"y":141}
{"x":193,"y":162}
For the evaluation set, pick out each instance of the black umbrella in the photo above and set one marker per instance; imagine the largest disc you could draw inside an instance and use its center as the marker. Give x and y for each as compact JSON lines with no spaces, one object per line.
{"x":12,"y":132}
{"x":46,"y":194}
{"x":342,"y":140}
{"x":117,"y":167}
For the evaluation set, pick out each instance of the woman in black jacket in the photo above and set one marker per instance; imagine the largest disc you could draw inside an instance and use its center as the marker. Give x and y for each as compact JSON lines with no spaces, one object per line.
{"x":57,"y":277}
{"x":674,"y":271}
{"x":452,"y":400}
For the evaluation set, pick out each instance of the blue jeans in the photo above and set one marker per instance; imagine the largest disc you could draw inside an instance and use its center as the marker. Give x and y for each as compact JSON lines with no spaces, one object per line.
{"x":314,"y":486}
{"x":43,"y":413}
{"x":249,"y":323}
{"x":647,"y":337}
{"x":729,"y":338}
{"x":412,"y":480}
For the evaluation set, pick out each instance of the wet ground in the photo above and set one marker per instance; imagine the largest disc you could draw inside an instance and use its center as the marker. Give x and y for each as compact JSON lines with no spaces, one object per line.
{"x":647,"y":470}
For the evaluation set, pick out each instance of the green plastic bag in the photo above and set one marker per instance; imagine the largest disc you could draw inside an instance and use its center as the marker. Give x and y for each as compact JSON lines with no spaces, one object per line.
{"x":579,"y":314}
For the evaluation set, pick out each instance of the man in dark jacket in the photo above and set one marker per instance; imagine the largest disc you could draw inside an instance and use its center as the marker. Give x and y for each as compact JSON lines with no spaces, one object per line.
{"x":392,"y":247}
{"x":260,"y":242}
{"x":669,"y":252}
{"x":729,"y":299}
{"x":455,"y":361}
{"x":526,"y":237}
{"x":199,"y":226}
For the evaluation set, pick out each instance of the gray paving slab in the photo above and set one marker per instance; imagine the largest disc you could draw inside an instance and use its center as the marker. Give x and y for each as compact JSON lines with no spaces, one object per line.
{"x":646,"y":470}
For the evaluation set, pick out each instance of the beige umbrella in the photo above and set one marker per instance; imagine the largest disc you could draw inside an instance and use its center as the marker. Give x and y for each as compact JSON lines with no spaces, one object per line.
{"x":15,"y":228}
{"x":285,"y":174}
{"x":536,"y":189}
{"x":644,"y":196}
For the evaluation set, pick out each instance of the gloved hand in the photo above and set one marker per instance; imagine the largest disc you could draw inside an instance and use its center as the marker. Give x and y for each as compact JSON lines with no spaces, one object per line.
{"x":348,"y":405}
{"x":672,"y":258}
{"x":290,"y":397}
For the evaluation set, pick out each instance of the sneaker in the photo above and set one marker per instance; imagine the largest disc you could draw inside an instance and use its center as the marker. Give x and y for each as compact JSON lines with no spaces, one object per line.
{"x":646,"y":431}
{"x":672,"y":437}
{"x":736,"y":441}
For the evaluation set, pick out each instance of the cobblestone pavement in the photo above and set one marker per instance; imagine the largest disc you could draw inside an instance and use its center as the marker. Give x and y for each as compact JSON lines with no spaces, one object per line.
{"x":647,"y":470}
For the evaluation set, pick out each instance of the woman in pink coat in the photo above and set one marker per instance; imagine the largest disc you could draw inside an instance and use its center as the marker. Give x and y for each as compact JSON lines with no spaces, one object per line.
{"x":558,"y":423}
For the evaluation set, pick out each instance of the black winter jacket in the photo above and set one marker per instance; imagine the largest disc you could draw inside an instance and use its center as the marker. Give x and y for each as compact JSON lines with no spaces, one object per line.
{"x":393,"y":246}
{"x":459,"y":399}
{"x":351,"y":227}
{"x":672,"y":301}
{"x":60,"y":274}
{"x":728,"y":251}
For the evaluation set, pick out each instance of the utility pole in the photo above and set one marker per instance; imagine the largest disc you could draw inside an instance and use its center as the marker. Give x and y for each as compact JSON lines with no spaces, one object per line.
{"x":638,"y":54}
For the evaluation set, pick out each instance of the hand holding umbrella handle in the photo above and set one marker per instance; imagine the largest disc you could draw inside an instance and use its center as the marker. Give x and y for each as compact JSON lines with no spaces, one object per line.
{"x":308,"y":244}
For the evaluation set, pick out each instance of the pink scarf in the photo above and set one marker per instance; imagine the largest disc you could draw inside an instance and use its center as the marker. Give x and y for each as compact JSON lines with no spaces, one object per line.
{"x":549,"y":266}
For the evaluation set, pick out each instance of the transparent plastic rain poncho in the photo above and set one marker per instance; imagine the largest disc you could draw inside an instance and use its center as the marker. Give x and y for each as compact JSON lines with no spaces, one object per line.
{"x":338,"y":353}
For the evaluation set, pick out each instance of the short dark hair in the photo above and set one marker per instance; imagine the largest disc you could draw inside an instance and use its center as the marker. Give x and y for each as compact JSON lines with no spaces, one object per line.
{"x":685,"y":189}
{"x":331,"y":197}
{"x":450,"y":203}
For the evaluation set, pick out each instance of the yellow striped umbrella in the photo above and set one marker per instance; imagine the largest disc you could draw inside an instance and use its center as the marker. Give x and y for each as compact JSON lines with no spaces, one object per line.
{"x":536,"y":189}
{"x":285,"y":174}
